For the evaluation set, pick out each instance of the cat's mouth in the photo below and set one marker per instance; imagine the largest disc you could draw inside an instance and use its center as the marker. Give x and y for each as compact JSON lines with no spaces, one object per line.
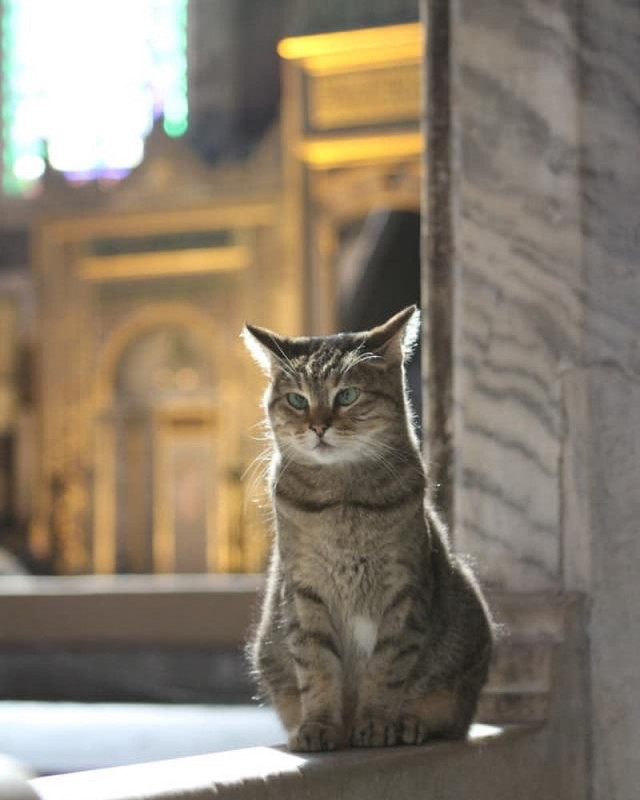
{"x":322,"y":445}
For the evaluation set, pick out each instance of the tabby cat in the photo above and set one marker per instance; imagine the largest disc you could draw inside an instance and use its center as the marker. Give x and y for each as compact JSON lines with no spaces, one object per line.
{"x":372,"y":632}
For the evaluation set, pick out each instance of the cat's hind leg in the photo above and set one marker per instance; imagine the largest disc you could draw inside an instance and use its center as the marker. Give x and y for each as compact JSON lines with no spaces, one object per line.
{"x":437,"y":715}
{"x":443,"y":711}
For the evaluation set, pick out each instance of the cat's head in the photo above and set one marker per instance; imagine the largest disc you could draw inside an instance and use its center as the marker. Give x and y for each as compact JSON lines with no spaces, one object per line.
{"x":336,"y":399}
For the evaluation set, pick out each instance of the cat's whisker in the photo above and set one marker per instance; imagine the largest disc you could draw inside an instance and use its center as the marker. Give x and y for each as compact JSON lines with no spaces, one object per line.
{"x":260,"y":424}
{"x":264,"y":455}
{"x":376,"y":456}
{"x":284,"y":361}
{"x":357,"y":359}
{"x":286,"y":461}
{"x":256,"y":472}
{"x":252,"y":492}
{"x":389,"y":456}
{"x":267,"y":437}
{"x":263,"y":433}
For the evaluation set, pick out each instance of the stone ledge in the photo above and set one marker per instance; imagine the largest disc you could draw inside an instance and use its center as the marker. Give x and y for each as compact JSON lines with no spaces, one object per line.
{"x":495,"y":763}
{"x":55,"y":630}
{"x":138,"y":610}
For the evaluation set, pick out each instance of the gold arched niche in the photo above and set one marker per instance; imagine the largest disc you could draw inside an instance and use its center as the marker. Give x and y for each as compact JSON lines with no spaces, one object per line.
{"x":138,"y":322}
{"x":175,"y":243}
{"x":179,"y":427}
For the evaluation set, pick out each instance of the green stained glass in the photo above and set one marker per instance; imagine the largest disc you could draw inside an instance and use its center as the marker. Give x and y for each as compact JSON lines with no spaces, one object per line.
{"x":83,"y":82}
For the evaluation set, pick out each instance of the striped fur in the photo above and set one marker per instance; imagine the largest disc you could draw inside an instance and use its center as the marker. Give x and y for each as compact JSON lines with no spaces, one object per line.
{"x":372,"y":632}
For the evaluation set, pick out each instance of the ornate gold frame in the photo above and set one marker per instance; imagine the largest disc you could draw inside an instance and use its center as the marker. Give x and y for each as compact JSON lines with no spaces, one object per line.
{"x":352,"y":142}
{"x":341,"y":160}
{"x":107,"y":360}
{"x":80,"y":351}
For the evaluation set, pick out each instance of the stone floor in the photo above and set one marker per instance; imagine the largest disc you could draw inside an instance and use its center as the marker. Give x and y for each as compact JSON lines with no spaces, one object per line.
{"x":50,"y":738}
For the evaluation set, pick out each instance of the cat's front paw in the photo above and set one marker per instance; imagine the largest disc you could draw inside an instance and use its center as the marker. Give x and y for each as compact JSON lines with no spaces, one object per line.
{"x":315,"y":737}
{"x":374,"y":731}
{"x":412,"y":730}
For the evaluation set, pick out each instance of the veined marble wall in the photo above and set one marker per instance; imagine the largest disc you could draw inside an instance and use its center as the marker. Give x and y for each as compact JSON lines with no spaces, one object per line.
{"x":544,"y":178}
{"x":607,"y":518}
{"x":518,"y":300}
{"x":546,"y":241}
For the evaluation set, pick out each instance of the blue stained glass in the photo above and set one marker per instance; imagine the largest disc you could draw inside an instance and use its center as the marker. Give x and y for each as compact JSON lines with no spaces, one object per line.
{"x":83,"y":81}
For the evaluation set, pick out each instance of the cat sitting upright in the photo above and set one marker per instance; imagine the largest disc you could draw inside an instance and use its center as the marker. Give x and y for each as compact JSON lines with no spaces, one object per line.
{"x":372,"y":632}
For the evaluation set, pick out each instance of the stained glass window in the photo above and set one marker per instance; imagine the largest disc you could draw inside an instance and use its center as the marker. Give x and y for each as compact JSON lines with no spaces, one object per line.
{"x":83,"y":82}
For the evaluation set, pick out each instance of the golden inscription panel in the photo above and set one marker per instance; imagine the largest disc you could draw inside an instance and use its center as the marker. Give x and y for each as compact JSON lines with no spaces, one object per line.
{"x":364,"y":97}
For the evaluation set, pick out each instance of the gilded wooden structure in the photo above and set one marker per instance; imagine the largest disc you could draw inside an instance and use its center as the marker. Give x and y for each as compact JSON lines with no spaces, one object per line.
{"x":146,"y":397}
{"x":352,"y":146}
{"x":145,"y":392}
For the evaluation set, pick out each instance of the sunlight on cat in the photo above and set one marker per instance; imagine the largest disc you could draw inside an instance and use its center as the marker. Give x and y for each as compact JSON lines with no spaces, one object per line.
{"x":372,"y":632}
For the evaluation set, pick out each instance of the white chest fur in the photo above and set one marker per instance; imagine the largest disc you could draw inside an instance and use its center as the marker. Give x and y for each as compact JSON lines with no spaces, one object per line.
{"x":365,"y":633}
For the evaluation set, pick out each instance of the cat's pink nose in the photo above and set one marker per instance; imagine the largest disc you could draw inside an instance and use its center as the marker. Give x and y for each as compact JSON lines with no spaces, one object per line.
{"x":319,"y":428}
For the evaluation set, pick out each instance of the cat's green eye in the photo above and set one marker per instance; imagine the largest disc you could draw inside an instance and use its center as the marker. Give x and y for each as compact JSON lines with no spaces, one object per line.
{"x":346,"y":397}
{"x":297,"y":401}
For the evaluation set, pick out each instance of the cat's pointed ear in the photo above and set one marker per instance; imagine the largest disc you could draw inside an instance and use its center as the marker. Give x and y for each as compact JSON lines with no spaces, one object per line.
{"x":266,"y":347}
{"x":396,"y":338}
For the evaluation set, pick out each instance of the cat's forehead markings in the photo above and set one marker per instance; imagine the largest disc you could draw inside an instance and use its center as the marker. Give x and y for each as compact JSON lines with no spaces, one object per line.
{"x":289,"y":378}
{"x":327,"y":361}
{"x":320,"y":364}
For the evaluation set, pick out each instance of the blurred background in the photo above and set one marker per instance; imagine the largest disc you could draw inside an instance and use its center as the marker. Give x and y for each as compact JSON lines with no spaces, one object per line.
{"x":167,"y":174}
{"x":170,"y":169}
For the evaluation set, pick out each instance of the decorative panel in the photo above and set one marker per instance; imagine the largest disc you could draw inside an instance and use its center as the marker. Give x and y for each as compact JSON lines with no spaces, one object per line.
{"x":353,"y":147}
{"x":147,"y":394}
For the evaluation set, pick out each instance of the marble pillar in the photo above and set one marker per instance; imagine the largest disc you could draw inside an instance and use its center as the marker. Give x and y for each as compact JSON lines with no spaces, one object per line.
{"x":518,"y":280}
{"x":605,"y":446}
{"x":544,"y":419}
{"x":544,"y":263}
